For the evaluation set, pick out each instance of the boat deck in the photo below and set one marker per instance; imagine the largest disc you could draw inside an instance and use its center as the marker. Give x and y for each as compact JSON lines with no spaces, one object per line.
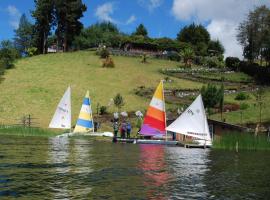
{"x":189,"y":145}
{"x":144,"y":141}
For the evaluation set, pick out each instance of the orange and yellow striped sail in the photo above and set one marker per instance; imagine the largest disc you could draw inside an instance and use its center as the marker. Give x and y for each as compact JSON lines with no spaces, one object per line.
{"x":155,"y":120}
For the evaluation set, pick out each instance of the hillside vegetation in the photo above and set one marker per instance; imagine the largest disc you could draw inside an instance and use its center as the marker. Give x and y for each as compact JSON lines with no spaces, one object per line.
{"x":36,"y":84}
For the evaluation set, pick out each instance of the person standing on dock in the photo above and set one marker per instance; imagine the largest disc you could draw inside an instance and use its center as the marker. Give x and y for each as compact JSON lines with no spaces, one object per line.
{"x":123,"y":129}
{"x":115,"y":128}
{"x":128,"y":129}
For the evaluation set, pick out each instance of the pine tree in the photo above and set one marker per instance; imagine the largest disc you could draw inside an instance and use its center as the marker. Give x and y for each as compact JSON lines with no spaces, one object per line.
{"x":141,"y":30}
{"x":24,"y":35}
{"x":44,"y":19}
{"x":68,"y":13}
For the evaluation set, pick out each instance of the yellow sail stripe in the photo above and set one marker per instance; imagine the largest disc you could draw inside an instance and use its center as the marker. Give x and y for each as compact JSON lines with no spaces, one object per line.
{"x":85,"y":116}
{"x":159,"y":92}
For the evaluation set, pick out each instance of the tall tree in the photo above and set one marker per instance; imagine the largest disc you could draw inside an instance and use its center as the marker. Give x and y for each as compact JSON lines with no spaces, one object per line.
{"x":141,"y":30}
{"x":194,"y":34}
{"x":68,"y":13}
{"x":253,"y":34}
{"x":24,"y":35}
{"x":43,"y":15}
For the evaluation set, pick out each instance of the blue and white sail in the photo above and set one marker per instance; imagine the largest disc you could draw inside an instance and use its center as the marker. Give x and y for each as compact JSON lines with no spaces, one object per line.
{"x":85,"y":119}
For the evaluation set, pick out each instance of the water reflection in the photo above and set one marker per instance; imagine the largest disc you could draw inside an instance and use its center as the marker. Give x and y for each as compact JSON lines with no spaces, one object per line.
{"x":152,"y":163}
{"x":189,"y":167}
{"x":58,"y":157}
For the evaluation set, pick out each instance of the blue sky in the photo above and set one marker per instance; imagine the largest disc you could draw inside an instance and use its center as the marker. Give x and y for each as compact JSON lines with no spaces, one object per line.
{"x":162,"y":18}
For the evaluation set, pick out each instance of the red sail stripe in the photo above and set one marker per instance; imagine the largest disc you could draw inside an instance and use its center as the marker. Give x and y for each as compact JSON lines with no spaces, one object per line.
{"x":155,"y":123}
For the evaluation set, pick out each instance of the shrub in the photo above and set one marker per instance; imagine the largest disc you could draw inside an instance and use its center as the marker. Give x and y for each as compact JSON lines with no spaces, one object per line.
{"x":31,"y":51}
{"x":103,"y":110}
{"x":232,"y":63}
{"x":103,"y":52}
{"x":244,"y":106}
{"x":108,"y":63}
{"x":213,"y":62}
{"x":241,"y":96}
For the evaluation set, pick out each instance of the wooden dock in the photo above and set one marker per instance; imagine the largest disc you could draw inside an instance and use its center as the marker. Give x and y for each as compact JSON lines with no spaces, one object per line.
{"x":144,"y":141}
{"x":190,"y":145}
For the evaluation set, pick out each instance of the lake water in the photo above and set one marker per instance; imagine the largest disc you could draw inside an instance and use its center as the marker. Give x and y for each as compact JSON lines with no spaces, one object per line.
{"x":81,"y":168}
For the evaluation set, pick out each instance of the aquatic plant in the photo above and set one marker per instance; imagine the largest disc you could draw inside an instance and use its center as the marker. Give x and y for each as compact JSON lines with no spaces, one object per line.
{"x":25,"y":131}
{"x":241,"y":141}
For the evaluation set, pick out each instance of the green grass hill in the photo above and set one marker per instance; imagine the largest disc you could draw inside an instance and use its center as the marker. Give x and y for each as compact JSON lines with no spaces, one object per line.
{"x":36,"y":84}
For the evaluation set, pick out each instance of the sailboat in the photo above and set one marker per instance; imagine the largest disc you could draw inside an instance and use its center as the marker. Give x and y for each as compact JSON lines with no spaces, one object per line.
{"x":84,"y":125}
{"x":154,"y":123}
{"x":62,"y":116}
{"x":193,"y":122}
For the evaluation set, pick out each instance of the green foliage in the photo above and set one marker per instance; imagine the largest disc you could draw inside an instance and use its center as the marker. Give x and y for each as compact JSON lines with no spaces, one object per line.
{"x":141,"y":30}
{"x":144,"y":58}
{"x":187,"y":54}
{"x":31,"y":51}
{"x":118,"y":101}
{"x":215,"y":48}
{"x":8,"y":54}
{"x":103,"y":110}
{"x":43,"y":15}
{"x":25,"y":131}
{"x":24,"y":35}
{"x":104,"y":33}
{"x":213,"y":62}
{"x":103,"y":53}
{"x":108,"y":63}
{"x":244,"y":106}
{"x":232,"y":63}
{"x":253,"y":34}
{"x":194,"y":34}
{"x":244,"y":141}
{"x":212,"y":95}
{"x":241,"y":96}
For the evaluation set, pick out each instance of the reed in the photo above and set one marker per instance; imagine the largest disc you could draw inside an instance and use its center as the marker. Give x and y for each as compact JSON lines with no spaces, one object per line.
{"x":241,"y":141}
{"x":25,"y":131}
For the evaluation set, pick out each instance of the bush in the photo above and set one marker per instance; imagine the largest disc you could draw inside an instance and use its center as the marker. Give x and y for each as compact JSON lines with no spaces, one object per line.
{"x":241,"y":96}
{"x":232,"y":63}
{"x":108,"y":63}
{"x":103,"y":52}
{"x":103,"y":110}
{"x":213,"y":62}
{"x":31,"y":51}
{"x":244,"y":106}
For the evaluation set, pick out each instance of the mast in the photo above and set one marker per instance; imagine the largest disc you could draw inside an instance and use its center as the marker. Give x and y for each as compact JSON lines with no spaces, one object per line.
{"x":93,"y":129}
{"x":164,"y":109}
{"x":70,"y":111}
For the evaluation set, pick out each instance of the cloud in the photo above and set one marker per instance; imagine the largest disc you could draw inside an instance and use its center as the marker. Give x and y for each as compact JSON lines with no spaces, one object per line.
{"x":131,"y":19}
{"x":14,"y":16}
{"x":150,"y":4}
{"x":104,"y":12}
{"x":223,"y":16}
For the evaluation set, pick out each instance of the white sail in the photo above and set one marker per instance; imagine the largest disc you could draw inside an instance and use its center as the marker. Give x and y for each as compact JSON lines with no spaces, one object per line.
{"x":62,"y":115}
{"x":192,"y":122}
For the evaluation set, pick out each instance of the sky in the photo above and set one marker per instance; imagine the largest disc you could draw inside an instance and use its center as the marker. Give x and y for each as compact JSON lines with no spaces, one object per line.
{"x":162,"y":18}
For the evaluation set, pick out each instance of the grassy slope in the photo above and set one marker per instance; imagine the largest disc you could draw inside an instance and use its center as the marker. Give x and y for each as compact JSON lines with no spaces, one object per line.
{"x":36,"y":84}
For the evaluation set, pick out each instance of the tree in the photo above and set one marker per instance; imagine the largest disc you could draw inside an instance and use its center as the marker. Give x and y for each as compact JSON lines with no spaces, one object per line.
{"x":253,"y":34}
{"x":215,"y":47}
{"x":194,"y":34}
{"x":104,"y":33}
{"x":24,"y":35}
{"x":212,"y":96}
{"x":8,"y":54}
{"x":141,"y":30}
{"x":67,"y":15}
{"x":118,"y":101}
{"x":187,"y":54}
{"x":43,"y":14}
